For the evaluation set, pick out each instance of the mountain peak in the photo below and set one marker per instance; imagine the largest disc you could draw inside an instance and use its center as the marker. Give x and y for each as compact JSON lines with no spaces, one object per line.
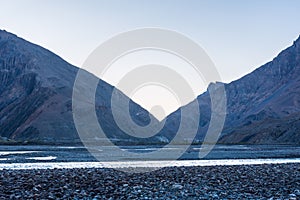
{"x":36,"y":88}
{"x":297,"y":41}
{"x":3,"y":31}
{"x":5,"y":35}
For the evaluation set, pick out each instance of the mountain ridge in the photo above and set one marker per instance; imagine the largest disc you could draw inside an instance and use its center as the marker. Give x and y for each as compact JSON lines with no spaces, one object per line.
{"x":263,"y":107}
{"x":248,"y":102}
{"x":36,"y":95}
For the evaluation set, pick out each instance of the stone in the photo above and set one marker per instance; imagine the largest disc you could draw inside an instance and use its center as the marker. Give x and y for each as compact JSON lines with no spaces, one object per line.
{"x":177,"y":186}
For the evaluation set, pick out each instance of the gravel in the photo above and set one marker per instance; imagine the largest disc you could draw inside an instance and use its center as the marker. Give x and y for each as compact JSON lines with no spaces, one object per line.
{"x":276,"y":181}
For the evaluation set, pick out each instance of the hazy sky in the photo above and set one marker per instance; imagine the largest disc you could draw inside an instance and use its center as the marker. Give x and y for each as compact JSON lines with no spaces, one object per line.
{"x":239,"y":36}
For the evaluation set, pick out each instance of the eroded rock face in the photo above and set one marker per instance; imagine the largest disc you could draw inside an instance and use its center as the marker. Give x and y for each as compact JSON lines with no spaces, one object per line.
{"x":36,"y":96}
{"x":262,"y":107}
{"x":22,"y":93}
{"x":36,"y":101}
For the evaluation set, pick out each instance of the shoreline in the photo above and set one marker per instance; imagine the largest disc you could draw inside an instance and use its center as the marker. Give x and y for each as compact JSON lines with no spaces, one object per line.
{"x":135,"y":164}
{"x":280,"y":181}
{"x":26,"y":154}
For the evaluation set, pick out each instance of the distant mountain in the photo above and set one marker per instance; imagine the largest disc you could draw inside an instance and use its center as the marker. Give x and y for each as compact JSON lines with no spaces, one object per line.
{"x":36,"y":88}
{"x":36,"y":97}
{"x":263,"y":107}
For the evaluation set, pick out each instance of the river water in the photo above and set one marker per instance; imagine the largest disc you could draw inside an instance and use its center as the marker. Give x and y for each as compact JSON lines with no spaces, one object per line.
{"x":37,"y":157}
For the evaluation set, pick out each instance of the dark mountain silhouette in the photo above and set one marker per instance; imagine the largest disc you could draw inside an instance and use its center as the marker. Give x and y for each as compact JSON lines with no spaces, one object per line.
{"x":263,"y":107}
{"x":36,"y":96}
{"x":36,"y":101}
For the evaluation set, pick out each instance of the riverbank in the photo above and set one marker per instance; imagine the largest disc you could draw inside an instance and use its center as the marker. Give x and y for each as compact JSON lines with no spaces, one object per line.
{"x":28,"y":153}
{"x":280,"y":181}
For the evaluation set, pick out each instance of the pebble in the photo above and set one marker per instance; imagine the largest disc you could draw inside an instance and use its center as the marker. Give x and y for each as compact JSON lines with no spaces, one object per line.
{"x":274,"y":181}
{"x":292,"y":197}
{"x":177,"y":186}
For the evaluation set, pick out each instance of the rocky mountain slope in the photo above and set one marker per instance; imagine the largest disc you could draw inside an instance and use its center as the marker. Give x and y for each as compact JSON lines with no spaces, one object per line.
{"x":263,"y":107}
{"x":36,"y":88}
{"x":36,"y":96}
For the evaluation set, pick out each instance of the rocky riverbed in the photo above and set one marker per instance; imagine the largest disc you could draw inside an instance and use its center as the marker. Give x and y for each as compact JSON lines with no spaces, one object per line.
{"x":276,"y":181}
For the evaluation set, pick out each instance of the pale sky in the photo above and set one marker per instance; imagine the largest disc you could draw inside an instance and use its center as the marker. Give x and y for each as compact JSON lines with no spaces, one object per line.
{"x":239,"y":36}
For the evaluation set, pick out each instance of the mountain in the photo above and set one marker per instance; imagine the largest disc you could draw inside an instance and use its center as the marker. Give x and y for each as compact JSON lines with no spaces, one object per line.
{"x":36,"y":89}
{"x":263,"y":107}
{"x":36,"y":97}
